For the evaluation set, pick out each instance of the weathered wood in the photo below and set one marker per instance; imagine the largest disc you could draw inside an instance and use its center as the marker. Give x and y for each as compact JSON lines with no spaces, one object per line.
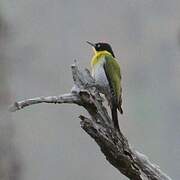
{"x":113,"y":144}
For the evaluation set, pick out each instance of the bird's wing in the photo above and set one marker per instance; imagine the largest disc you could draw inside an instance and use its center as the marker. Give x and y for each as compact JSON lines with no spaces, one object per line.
{"x":113,"y":73}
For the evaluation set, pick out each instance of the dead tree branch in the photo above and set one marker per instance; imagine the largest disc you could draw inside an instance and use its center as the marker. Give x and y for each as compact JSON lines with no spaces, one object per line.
{"x":99,"y":126}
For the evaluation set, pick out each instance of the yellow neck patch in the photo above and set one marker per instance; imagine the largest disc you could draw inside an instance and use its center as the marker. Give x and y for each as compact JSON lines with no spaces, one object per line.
{"x":97,"y":58}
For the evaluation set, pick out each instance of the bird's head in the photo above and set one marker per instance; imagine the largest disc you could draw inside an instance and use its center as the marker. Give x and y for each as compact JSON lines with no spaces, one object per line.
{"x":101,"y":47}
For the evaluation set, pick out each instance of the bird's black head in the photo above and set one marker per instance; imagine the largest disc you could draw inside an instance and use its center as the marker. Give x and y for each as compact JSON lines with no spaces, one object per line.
{"x":102,"y":47}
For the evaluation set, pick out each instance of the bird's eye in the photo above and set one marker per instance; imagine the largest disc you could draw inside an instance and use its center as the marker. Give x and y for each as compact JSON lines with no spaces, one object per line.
{"x":98,"y":45}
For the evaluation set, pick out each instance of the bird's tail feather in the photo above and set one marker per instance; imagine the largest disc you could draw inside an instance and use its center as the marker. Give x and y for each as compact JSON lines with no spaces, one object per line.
{"x":115,"y":118}
{"x":120,"y":109}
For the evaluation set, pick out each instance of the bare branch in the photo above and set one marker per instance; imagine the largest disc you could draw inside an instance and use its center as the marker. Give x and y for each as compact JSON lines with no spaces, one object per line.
{"x":65,"y":98}
{"x":113,"y":144}
{"x":152,"y":170}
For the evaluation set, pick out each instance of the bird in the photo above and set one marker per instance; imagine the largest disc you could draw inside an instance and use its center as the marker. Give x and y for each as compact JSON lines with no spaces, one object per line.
{"x":107,"y":75}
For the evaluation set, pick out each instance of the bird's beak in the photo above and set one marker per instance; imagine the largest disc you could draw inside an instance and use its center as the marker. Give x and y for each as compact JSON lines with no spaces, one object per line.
{"x":91,"y":44}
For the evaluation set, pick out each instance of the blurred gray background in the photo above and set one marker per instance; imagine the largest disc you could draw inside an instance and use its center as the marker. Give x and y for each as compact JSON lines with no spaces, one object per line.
{"x":39,"y":39}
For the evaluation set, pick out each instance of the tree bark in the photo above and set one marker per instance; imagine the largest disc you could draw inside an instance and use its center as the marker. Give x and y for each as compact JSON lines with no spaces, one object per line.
{"x":113,"y":144}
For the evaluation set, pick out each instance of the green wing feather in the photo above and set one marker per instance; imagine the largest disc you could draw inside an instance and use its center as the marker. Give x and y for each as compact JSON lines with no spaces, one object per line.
{"x":113,"y":74}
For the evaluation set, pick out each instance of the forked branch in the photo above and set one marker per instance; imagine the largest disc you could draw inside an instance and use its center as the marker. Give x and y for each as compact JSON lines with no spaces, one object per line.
{"x":113,"y":144}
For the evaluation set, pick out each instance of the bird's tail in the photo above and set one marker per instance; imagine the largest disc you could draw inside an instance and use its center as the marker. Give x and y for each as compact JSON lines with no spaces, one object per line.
{"x":115,"y":118}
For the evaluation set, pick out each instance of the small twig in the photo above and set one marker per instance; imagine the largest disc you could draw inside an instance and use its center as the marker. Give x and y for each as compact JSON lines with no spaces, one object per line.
{"x":65,"y":98}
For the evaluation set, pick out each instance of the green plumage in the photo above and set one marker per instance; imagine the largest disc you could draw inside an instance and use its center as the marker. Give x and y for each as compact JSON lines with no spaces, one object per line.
{"x":113,"y":74}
